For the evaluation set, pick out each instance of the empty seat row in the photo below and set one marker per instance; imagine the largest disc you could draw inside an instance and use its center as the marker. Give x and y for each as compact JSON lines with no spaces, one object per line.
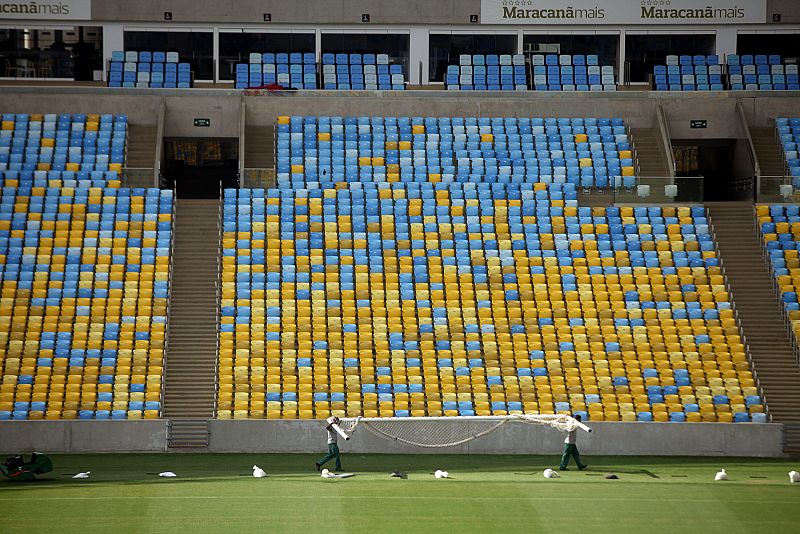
{"x":83,"y":301}
{"x":64,"y":142}
{"x":327,"y":150}
{"x":145,"y":69}
{"x":295,"y":69}
{"x":412,"y":299}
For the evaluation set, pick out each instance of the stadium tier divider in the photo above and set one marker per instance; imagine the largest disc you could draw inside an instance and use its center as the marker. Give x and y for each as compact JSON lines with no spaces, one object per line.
{"x":153,"y":69}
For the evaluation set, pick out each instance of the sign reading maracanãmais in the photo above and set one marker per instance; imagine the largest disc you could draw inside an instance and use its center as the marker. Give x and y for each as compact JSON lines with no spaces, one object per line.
{"x":46,"y":9}
{"x":623,"y":11}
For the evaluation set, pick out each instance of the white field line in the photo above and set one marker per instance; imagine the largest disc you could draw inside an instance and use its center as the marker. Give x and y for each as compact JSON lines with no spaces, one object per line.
{"x":372,"y":496}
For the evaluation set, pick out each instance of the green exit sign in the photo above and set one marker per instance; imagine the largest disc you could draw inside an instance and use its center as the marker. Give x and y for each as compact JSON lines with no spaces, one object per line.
{"x":202,"y":123}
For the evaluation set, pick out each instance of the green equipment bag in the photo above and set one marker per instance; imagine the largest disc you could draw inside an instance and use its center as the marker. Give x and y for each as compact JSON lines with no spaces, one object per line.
{"x":17,"y":469}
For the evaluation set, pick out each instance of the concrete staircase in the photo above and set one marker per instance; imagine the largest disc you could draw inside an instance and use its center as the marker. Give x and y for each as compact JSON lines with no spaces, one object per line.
{"x":649,"y":149}
{"x":765,"y":330}
{"x":141,"y":155}
{"x":768,"y":152}
{"x":190,"y":377}
{"x":259,"y":153}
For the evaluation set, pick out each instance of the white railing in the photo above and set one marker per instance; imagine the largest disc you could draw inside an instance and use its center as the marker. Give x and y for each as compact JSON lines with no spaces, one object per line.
{"x":218,"y":294}
{"x":666,"y":139}
{"x":751,"y":147}
{"x":169,"y":287}
{"x":159,"y":141}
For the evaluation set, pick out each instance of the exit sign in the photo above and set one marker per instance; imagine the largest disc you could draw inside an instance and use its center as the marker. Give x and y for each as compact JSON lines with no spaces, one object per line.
{"x":699,"y":124}
{"x":202,"y":123}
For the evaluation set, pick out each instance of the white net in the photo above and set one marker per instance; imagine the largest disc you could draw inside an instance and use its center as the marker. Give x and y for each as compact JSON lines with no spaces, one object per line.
{"x":448,"y":431}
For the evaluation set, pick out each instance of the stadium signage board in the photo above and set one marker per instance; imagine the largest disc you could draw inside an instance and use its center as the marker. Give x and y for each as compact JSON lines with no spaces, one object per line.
{"x":698,"y":124}
{"x":640,"y":12}
{"x":202,"y":123}
{"x":46,"y":10}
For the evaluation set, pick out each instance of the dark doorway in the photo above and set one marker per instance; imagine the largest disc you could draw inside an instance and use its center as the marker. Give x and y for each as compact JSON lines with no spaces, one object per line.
{"x":715,"y":161}
{"x":198,"y":165}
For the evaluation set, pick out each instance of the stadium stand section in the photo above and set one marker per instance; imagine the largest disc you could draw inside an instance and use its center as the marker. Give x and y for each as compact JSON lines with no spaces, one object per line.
{"x":490,"y":72}
{"x":780,"y":231}
{"x":296,"y":70}
{"x":789,"y":135}
{"x":689,"y":73}
{"x":588,"y":152}
{"x":565,"y":72}
{"x":148,"y":69}
{"x":393,"y":297}
{"x":762,"y":73}
{"x":84,"y":301}
{"x":85,"y":273}
{"x":51,"y":148}
{"x":361,"y":71}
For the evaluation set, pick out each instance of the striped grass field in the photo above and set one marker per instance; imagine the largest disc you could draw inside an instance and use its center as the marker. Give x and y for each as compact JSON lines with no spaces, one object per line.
{"x":216,"y":493}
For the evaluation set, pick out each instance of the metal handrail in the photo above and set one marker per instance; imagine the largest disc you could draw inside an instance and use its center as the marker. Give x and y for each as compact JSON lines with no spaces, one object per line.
{"x":242,"y":137}
{"x":663,"y":128}
{"x":218,"y":292}
{"x":169,"y":281}
{"x":159,"y":140}
{"x":736,"y":314}
{"x":751,"y":147}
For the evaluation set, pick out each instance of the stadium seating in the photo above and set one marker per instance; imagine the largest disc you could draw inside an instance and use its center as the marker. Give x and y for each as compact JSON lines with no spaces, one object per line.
{"x":54,"y":150}
{"x":588,"y":152}
{"x":780,"y":230}
{"x":412,"y":298}
{"x":148,"y":69}
{"x":762,"y":72}
{"x":567,"y":72}
{"x":789,"y":135}
{"x":83,"y":304}
{"x":689,"y":73}
{"x":296,"y":70}
{"x":490,"y":72}
{"x":361,"y":71}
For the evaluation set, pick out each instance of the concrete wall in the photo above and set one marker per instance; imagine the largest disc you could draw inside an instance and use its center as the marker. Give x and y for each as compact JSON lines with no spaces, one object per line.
{"x":761,"y":113}
{"x":690,"y":439}
{"x":639,"y":112}
{"x":289,"y":11}
{"x":223,"y":112}
{"x":222,"y":106}
{"x":699,"y":439}
{"x":325,"y":11}
{"x":83,"y":436}
{"x":141,"y":108}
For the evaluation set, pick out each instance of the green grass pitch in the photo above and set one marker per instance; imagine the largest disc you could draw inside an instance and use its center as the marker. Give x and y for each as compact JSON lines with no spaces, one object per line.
{"x":216,"y":493}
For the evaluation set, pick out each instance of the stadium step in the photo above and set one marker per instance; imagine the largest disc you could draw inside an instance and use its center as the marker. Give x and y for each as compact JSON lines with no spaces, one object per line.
{"x":191,"y":362}
{"x":766,"y":333}
{"x":141,"y":154}
{"x":141,"y":145}
{"x":188,"y":433}
{"x":259,"y":153}
{"x":768,"y":152}
{"x":650,"y":152}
